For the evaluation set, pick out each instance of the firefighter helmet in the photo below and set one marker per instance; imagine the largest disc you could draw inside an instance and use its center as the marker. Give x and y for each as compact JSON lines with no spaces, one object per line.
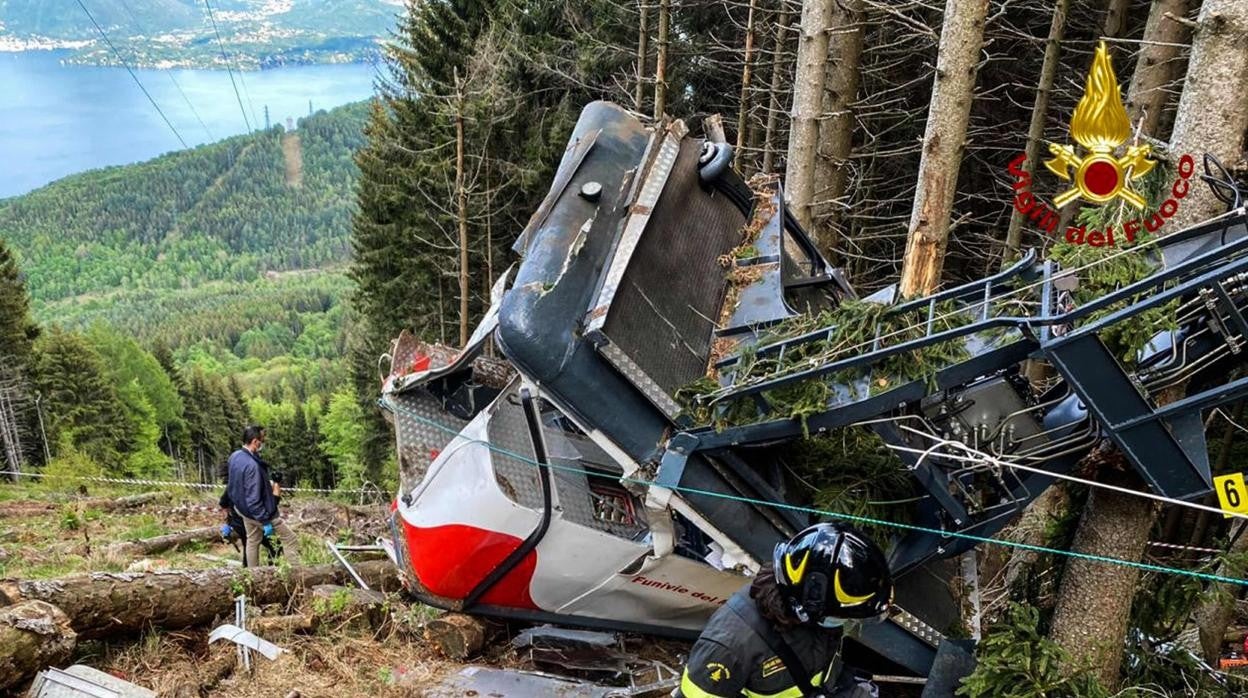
{"x":830,"y":572}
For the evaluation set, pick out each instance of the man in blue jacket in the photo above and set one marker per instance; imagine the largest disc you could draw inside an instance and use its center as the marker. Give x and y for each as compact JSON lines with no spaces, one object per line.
{"x":251,"y":492}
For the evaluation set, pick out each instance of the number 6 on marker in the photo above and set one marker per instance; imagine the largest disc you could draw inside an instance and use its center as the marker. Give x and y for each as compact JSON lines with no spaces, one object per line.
{"x":1232,"y":493}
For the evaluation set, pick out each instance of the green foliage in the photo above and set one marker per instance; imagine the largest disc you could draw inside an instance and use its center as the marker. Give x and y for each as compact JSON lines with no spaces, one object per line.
{"x":851,"y":471}
{"x":17,"y":331}
{"x":1016,"y":660}
{"x":852,"y":325}
{"x":69,"y":519}
{"x":80,"y":403}
{"x":218,"y":212}
{"x":68,"y":468}
{"x":342,"y":434}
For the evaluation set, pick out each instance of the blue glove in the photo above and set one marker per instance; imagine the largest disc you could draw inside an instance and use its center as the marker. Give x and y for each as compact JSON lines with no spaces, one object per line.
{"x":226,"y":530}
{"x":268,"y":530}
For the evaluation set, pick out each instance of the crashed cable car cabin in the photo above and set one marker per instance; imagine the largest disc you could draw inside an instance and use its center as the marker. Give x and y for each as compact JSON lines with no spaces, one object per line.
{"x":562,"y":482}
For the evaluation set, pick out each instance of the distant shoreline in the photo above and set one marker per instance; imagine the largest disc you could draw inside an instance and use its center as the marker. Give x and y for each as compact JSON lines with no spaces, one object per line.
{"x":86,"y":52}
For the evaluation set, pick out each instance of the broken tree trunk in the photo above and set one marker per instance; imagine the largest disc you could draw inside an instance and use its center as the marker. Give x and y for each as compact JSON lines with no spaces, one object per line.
{"x":33,"y":635}
{"x":961,"y":37}
{"x":131,"y":501}
{"x":456,"y":635}
{"x":1035,"y":131}
{"x":159,"y":544}
{"x":105,"y":603}
{"x":812,"y":58}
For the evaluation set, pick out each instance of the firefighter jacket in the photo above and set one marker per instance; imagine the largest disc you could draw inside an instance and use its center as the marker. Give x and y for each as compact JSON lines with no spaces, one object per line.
{"x":731,"y":659}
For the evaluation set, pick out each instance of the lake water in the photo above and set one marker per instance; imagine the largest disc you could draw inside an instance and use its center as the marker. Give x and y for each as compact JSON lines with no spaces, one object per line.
{"x":56,"y":119}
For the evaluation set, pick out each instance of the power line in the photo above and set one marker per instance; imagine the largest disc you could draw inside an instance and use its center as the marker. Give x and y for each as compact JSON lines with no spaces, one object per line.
{"x":139,"y":24}
{"x":128,"y":70}
{"x":221,"y":45}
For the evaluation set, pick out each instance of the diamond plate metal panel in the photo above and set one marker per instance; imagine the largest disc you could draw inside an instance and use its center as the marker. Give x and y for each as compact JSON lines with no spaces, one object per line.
{"x":422,"y":430}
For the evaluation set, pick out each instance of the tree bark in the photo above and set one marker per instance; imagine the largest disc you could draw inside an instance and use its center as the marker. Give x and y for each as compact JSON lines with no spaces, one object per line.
{"x":743,"y":106}
{"x":1212,"y":116}
{"x":456,"y":636}
{"x":1094,"y":604}
{"x":461,"y":196}
{"x":643,"y":37}
{"x":836,"y":127}
{"x":1157,"y":66}
{"x":208,"y":673}
{"x":159,"y":544}
{"x":1116,"y":18}
{"x":961,"y":37}
{"x":808,"y":81}
{"x":102,"y":604}
{"x":33,"y":636}
{"x":773,"y":90}
{"x":660,"y":66}
{"x":1035,"y":130}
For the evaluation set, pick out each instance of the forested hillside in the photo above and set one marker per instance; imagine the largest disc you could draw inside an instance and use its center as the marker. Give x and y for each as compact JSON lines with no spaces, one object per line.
{"x":182,"y":297}
{"x":226,"y":211}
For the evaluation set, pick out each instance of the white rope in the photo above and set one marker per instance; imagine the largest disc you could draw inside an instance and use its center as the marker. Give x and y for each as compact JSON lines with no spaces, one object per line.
{"x":1159,"y":544}
{"x":177,"y":483}
{"x":1227,"y":417}
{"x":981,"y":457}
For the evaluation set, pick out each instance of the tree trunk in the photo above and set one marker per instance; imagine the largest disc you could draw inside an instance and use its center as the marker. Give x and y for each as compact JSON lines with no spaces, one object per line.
{"x":33,"y":636}
{"x":1211,"y":116}
{"x":812,"y":58}
{"x":643,"y":37}
{"x":773,"y":90}
{"x":208,"y":673}
{"x":102,"y":604}
{"x":1116,"y":18}
{"x":462,"y":197}
{"x":1158,"y":65}
{"x":660,"y":66}
{"x":1094,"y":601}
{"x":743,"y":107}
{"x":836,"y":128}
{"x":1035,"y":130}
{"x":1094,"y":604}
{"x":159,"y":544}
{"x":961,"y":37}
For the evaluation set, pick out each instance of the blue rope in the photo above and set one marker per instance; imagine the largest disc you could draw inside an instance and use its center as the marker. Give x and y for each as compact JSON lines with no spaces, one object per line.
{"x":835,"y":515}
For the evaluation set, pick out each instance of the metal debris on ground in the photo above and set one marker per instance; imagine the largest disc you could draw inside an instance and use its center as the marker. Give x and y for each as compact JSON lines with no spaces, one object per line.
{"x":80,"y":681}
{"x":246,"y":640}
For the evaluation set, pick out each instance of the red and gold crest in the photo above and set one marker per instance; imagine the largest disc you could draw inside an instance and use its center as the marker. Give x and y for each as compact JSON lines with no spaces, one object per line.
{"x":1100,"y":124}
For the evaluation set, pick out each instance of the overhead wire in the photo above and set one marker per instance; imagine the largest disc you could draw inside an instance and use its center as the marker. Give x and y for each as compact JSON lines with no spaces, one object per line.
{"x":242,"y":81}
{"x":117,"y":53}
{"x":169,"y":73}
{"x":221,"y":45}
{"x":412,"y":414}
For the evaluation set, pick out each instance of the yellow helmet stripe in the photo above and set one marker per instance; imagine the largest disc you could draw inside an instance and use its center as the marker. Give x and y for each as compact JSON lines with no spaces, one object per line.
{"x":844,"y":598}
{"x":795,"y":573}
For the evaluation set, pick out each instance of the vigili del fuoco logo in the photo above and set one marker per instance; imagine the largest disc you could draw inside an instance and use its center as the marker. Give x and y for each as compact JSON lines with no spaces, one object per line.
{"x":1103,"y":169}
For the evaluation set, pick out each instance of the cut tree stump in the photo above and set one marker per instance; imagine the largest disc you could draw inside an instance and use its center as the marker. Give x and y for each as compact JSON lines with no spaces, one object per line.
{"x":456,"y":636}
{"x":103,"y":604}
{"x":33,"y":636}
{"x":159,"y":544}
{"x":349,"y":608}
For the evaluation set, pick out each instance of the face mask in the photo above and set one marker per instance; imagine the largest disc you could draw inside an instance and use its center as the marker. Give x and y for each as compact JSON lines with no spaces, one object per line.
{"x":259,"y":448}
{"x":830,"y":622}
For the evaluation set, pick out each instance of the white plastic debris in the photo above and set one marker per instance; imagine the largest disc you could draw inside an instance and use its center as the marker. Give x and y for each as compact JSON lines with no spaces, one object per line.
{"x":237,"y":635}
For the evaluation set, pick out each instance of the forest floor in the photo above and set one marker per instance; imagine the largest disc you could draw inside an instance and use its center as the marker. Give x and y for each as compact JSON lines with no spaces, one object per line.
{"x":45,"y":533}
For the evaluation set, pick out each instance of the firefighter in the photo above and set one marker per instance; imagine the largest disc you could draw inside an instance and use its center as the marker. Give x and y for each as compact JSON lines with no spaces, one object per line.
{"x":790,"y":617}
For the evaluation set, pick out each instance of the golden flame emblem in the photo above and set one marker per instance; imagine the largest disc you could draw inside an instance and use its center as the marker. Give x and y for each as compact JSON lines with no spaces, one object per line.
{"x":1100,"y":124}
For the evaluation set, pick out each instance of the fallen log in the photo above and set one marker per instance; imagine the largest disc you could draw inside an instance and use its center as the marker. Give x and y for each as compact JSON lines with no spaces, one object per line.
{"x":269,"y":627}
{"x":129,"y":501}
{"x":36,"y":507}
{"x":33,"y":635}
{"x":220,"y":664}
{"x":159,"y":544}
{"x":103,"y":604}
